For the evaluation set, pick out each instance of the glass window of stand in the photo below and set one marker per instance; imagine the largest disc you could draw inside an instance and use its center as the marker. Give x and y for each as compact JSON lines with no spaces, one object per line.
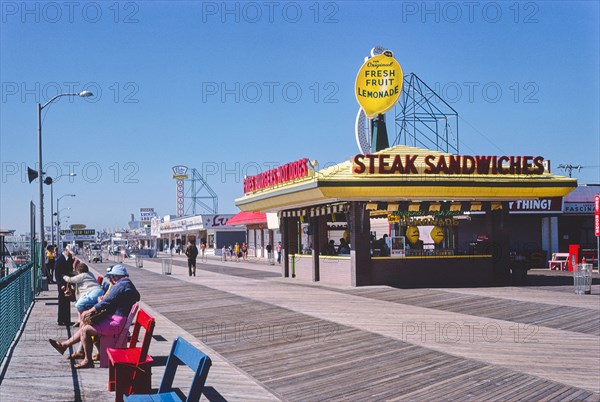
{"x":432,"y":228}
{"x":422,"y":238}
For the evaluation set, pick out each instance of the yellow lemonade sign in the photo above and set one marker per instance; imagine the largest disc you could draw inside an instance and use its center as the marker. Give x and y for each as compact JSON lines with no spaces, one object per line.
{"x":379,"y":84}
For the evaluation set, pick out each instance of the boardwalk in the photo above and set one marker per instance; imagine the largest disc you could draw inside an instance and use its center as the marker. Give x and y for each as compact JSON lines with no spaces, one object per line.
{"x":275,"y":340}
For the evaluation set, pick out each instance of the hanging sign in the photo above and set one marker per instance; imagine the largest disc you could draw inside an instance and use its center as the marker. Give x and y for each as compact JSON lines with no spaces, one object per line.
{"x":597,"y":215}
{"x":437,"y":234}
{"x":412,"y":234}
{"x":379,"y":84}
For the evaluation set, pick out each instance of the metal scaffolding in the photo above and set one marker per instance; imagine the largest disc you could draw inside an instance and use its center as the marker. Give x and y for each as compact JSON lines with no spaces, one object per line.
{"x":424,"y":119}
{"x":201,"y":194}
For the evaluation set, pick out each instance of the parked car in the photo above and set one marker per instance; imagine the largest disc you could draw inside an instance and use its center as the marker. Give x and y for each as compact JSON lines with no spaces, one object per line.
{"x":95,"y":252}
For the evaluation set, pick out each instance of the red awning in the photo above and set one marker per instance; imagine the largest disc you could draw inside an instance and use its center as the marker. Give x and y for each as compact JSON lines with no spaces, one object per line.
{"x":248,"y":218}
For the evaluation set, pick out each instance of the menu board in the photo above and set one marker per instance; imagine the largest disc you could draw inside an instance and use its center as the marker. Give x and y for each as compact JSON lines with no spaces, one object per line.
{"x":398,"y":246}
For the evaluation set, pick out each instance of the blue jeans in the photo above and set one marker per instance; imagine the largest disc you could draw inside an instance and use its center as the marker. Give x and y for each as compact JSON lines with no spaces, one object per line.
{"x":88,"y":300}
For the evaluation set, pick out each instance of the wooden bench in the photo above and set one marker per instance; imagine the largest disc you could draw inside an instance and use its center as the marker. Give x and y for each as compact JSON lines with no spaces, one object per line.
{"x":559,"y":261}
{"x":181,"y":352}
{"x":129,"y":369}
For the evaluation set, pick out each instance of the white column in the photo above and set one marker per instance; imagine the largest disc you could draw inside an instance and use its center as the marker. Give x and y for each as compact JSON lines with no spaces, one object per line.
{"x":550,"y":234}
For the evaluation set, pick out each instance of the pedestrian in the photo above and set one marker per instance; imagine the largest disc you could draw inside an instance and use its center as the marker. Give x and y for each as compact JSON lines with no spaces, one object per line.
{"x":270,"y":254}
{"x":236,"y":250}
{"x":191,"y":252}
{"x":112,"y":313}
{"x":244,"y":251}
{"x":203,"y":250}
{"x":278,"y":249}
{"x":63,"y":266}
{"x":50,"y":260}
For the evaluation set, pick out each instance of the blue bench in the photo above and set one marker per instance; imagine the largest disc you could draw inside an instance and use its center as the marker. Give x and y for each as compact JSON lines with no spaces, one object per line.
{"x":181,"y":352}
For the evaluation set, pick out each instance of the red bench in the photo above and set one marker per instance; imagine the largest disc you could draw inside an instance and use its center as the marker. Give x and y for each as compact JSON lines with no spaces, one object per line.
{"x":116,"y":341}
{"x":129,"y":369}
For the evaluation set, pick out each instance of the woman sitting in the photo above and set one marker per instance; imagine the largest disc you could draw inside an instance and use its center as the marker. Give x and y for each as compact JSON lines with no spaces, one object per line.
{"x":88,"y":289}
{"x":113,"y":310}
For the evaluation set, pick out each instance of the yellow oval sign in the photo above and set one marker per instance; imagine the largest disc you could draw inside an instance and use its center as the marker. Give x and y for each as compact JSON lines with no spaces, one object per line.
{"x":77,"y":226}
{"x":412,"y":234}
{"x":437,"y":234}
{"x":379,"y":84}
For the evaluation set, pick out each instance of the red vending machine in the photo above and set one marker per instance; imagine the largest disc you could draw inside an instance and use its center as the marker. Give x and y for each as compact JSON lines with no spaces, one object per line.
{"x":573,"y":257}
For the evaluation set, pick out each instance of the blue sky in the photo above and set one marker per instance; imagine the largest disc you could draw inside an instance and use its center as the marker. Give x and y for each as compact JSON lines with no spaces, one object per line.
{"x":229,"y":87}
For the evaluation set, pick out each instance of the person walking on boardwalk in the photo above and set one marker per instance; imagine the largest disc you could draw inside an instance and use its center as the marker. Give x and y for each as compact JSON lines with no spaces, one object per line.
{"x":191,"y":252}
{"x":203,"y":250}
{"x":278,"y":249}
{"x":244,"y":250}
{"x":112,"y":312}
{"x":63,"y":266}
{"x":237,"y":252}
{"x":270,"y":254}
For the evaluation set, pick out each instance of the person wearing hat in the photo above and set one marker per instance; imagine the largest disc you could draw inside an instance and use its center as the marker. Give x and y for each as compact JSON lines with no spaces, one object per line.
{"x":113,"y":309}
{"x":63,"y":266}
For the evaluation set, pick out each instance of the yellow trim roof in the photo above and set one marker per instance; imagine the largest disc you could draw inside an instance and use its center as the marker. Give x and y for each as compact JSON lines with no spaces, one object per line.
{"x":338,"y":183}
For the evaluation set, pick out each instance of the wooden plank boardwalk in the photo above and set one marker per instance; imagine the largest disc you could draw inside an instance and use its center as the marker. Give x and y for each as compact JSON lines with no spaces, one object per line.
{"x":275,"y":339}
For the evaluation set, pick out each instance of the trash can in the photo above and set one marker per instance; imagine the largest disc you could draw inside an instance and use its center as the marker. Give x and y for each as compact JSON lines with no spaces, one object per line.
{"x":139,"y":262}
{"x":519,"y":272}
{"x":167,"y":264}
{"x":582,"y":278}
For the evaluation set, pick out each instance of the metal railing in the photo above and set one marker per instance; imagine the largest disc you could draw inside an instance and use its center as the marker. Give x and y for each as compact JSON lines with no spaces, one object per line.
{"x":16,"y":296}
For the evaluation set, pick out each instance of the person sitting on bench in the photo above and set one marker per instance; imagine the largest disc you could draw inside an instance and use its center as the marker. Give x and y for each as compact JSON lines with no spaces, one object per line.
{"x":112,"y":311}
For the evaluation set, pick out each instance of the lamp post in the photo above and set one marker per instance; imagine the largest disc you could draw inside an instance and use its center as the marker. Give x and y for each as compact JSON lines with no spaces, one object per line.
{"x":40,"y":107}
{"x":58,"y":216}
{"x":50,"y":181}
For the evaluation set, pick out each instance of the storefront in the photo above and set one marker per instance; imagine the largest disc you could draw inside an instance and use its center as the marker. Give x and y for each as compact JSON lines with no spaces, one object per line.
{"x":212,"y":229}
{"x":403,"y":216}
{"x":261,"y":229}
{"x":576,"y":224}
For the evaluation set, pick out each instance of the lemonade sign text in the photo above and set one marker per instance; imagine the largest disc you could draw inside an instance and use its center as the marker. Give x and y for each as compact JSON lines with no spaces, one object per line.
{"x":379,"y":84}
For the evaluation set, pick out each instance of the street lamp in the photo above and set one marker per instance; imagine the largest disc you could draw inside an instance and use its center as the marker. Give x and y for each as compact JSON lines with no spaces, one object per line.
{"x":40,"y":107}
{"x":50,"y":181}
{"x":58,"y":216}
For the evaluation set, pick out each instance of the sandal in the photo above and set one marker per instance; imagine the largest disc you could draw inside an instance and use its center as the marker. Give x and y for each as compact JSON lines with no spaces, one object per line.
{"x":83,"y":365}
{"x":76,"y":355}
{"x":96,"y":357}
{"x":56,"y":345}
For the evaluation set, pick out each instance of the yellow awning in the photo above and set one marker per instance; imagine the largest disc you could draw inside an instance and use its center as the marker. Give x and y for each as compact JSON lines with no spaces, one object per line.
{"x":338,"y":183}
